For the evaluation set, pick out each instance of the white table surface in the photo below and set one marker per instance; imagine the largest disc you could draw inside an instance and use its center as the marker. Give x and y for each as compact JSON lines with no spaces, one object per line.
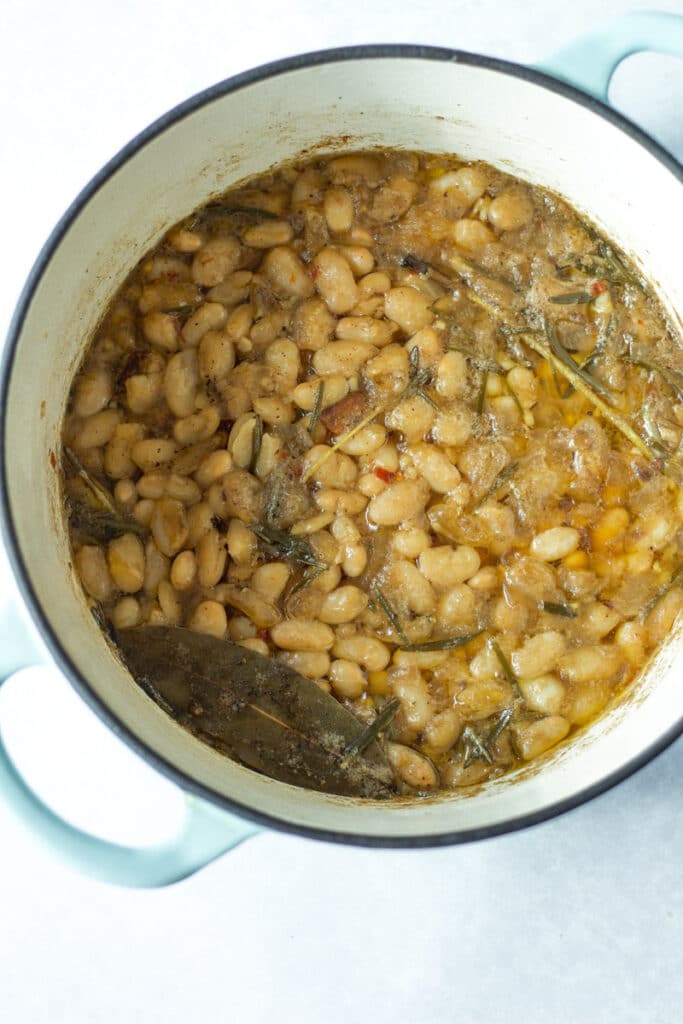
{"x":575,"y":920}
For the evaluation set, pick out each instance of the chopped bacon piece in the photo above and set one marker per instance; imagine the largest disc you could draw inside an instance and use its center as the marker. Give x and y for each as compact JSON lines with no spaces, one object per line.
{"x":344,"y":414}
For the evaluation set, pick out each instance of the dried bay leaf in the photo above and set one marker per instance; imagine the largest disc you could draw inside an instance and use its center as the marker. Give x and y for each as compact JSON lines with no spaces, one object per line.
{"x":255,"y":709}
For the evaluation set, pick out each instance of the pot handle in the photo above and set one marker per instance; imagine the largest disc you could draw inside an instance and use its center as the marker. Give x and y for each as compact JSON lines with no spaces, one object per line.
{"x":590,"y":61}
{"x":205,"y":833}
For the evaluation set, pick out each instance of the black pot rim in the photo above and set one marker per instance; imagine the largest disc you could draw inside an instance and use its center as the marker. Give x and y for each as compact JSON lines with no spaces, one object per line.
{"x":33,"y":603}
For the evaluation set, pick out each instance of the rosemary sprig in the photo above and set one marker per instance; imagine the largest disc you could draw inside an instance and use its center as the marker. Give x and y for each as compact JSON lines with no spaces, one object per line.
{"x":306,"y":580}
{"x":676,"y":578}
{"x":652,"y":433}
{"x":611,"y":415}
{"x":448,"y":643}
{"x":102,"y":524}
{"x":99,"y":492}
{"x":231,"y":211}
{"x":180,"y":310}
{"x":487,"y":742}
{"x":384,"y":604}
{"x":602,"y":264}
{"x":507,"y":670}
{"x":296,"y":548}
{"x":465,"y":266}
{"x":371,"y":733}
{"x":481,"y":397}
{"x":563,"y":356}
{"x":552,"y":608}
{"x":671,"y":377}
{"x":572,"y":298}
{"x":420,"y":378}
{"x":256,"y":439}
{"x":471,"y":736}
{"x":342,"y":439}
{"x":317,"y":407}
{"x":502,"y":478}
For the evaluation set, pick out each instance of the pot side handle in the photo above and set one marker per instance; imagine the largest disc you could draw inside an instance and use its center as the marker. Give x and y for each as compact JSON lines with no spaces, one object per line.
{"x":590,"y":61}
{"x":205,"y":833}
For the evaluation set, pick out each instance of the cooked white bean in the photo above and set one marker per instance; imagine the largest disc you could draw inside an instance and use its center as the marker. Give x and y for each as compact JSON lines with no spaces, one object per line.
{"x":169,"y":525}
{"x":415,"y":590}
{"x":184,"y":570}
{"x":126,"y":613}
{"x":538,"y":655}
{"x":413,"y":768}
{"x":347,"y":679}
{"x":126,"y":561}
{"x":367,"y":651}
{"x":343,"y":605}
{"x":96,"y":430}
{"x":93,"y":392}
{"x":400,"y":501}
{"x":288,"y":274}
{"x":544,"y":693}
{"x":443,"y":730}
{"x":209,"y":617}
{"x":216,"y":259}
{"x":445,"y":566}
{"x":334,"y":281}
{"x":268,"y":234}
{"x":209,"y":317}
{"x":181,"y":381}
{"x":152,"y":453}
{"x":270,"y":580}
{"x":302,"y":635}
{"x":339,"y":212}
{"x":199,"y":426}
{"x":555,"y":543}
{"x":93,"y":572}
{"x":311,"y":664}
{"x":216,"y":356}
{"x":589,"y":663}
{"x":409,"y":308}
{"x":409,"y":685}
{"x":342,"y":357}
{"x":534,"y":738}
{"x":211,"y":557}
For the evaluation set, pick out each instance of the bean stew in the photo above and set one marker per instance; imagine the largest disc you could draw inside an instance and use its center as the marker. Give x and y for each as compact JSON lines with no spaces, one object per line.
{"x":405,"y":423}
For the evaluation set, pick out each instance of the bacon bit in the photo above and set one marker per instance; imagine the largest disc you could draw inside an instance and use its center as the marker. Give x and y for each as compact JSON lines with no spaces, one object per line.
{"x":344,"y":414}
{"x":598,"y":287}
{"x":172,"y":277}
{"x":263,"y":634}
{"x":384,"y":474}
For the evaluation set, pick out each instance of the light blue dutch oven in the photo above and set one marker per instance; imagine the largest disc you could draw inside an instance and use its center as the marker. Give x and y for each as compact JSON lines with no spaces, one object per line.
{"x":549,"y":125}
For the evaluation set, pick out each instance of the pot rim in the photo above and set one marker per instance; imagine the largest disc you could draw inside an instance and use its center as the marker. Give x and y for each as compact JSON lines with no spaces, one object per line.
{"x":30,"y":597}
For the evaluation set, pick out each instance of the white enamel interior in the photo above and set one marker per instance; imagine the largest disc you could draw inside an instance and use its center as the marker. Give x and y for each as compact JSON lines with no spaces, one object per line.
{"x":405,"y":102}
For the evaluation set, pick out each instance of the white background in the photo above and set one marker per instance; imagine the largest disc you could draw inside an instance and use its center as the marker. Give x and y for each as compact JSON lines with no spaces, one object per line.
{"x":576,"y":920}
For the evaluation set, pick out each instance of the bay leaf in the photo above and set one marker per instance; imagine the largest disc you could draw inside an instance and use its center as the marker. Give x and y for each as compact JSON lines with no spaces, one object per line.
{"x":255,"y":709}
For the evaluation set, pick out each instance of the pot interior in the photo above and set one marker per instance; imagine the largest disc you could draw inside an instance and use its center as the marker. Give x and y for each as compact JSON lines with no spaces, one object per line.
{"x":413,"y":100}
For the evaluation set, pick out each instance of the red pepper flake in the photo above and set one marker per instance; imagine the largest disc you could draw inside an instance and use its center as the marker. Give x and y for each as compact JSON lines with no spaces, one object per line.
{"x":314,"y":271}
{"x":598,"y":287}
{"x":53,"y":460}
{"x":384,"y":474}
{"x":263,"y":634}
{"x":639,"y":321}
